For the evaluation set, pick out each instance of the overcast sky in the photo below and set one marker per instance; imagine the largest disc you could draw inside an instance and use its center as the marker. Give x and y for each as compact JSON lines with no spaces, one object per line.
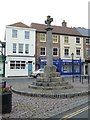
{"x":74,"y":12}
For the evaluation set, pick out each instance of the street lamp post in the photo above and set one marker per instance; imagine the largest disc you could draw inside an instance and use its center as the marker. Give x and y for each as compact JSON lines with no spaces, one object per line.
{"x":72,"y":67}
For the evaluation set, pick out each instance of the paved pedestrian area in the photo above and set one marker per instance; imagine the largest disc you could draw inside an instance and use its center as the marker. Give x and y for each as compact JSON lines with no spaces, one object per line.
{"x":36,"y":107}
{"x":41,"y":107}
{"x":77,"y":87}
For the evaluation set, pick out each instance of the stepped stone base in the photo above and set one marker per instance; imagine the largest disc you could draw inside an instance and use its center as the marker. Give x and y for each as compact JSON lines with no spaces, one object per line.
{"x":50,"y":80}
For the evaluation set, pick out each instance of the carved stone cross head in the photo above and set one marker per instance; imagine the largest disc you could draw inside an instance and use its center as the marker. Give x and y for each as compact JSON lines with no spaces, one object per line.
{"x":49,"y":20}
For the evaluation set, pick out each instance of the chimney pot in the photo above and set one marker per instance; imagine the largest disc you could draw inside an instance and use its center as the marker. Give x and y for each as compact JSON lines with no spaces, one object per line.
{"x":64,"y":24}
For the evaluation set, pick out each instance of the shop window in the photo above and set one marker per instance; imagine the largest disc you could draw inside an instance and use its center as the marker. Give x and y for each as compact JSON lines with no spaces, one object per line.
{"x":17,"y":64}
{"x":76,"y":67}
{"x":42,"y":64}
{"x":65,"y":68}
{"x":12,"y":64}
{"x":22,"y":64}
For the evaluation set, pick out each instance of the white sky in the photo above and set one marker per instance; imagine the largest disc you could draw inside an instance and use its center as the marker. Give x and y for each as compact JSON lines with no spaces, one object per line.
{"x":74,"y":12}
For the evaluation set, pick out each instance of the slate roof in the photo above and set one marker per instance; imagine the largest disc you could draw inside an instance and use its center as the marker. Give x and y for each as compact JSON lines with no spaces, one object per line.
{"x":56,"y":29}
{"x":84,"y":31}
{"x":20,"y":24}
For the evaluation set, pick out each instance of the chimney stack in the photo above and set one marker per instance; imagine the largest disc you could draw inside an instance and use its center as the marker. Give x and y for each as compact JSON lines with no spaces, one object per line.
{"x":64,"y":24}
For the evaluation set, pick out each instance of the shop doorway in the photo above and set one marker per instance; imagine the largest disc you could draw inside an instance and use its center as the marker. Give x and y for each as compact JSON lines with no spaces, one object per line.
{"x":29,"y":68}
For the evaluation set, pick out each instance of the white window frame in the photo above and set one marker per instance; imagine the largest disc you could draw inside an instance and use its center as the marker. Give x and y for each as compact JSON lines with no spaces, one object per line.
{"x":42,"y":37}
{"x":27,"y":34}
{"x":14,"y":33}
{"x":55,"y":38}
{"x":12,"y":65}
{"x":26,"y":48}
{"x":14,"y":47}
{"x":87,"y":52}
{"x":66,"y":55}
{"x":79,"y":51}
{"x":20,"y":48}
{"x":17,"y":65}
{"x":55,"y":51}
{"x":66,"y":39}
{"x":77,"y":40}
{"x":87,"y":41}
{"x":43,"y":51}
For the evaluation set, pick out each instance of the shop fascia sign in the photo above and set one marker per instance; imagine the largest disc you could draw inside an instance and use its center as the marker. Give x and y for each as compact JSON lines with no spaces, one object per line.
{"x":70,"y":60}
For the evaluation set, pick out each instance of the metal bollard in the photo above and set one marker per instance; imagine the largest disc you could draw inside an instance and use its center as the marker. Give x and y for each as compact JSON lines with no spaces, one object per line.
{"x":3,"y":84}
{"x":82,"y":79}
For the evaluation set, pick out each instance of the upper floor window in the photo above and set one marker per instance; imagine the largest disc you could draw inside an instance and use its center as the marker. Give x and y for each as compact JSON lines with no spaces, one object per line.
{"x":66,"y":40}
{"x":26,"y":34}
{"x":14,"y":47}
{"x":42,"y":37}
{"x":55,"y":51}
{"x":26,"y":48}
{"x":78,"y":50}
{"x":20,"y":48}
{"x":55,"y":38}
{"x":87,"y":40}
{"x":14,"y":33}
{"x":77,"y":40}
{"x":43,"y":51}
{"x":88,"y":52}
{"x":66,"y":51}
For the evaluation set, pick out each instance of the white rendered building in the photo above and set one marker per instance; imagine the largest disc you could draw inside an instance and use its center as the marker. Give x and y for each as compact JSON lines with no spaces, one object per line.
{"x":20,"y":50}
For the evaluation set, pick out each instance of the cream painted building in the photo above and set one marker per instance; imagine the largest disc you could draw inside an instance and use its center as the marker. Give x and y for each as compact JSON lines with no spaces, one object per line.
{"x":69,"y":45}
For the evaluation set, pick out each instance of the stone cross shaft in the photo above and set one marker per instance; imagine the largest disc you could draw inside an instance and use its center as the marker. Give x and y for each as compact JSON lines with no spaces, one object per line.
{"x":49,"y":41}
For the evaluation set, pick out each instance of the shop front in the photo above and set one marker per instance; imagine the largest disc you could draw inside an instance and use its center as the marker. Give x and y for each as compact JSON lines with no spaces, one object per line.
{"x":64,"y":66}
{"x":69,"y":67}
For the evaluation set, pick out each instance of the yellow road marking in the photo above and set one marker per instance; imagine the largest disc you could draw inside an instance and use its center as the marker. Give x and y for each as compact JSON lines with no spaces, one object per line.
{"x":75,"y":113}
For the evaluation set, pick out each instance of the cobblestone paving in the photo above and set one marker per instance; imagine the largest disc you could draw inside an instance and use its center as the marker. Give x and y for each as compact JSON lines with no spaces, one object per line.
{"x":29,"y":107}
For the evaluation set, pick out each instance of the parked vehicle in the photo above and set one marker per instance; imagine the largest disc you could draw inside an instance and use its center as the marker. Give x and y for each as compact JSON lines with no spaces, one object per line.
{"x":37,"y":73}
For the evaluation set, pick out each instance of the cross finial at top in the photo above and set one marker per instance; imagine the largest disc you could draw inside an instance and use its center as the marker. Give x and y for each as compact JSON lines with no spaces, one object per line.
{"x":49,"y":20}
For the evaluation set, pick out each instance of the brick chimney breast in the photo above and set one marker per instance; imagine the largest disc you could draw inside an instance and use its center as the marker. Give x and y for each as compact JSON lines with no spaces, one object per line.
{"x":64,"y":24}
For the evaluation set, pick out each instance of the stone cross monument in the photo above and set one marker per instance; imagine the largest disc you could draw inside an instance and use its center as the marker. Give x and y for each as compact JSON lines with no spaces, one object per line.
{"x":49,"y":68}
{"x":50,"y":79}
{"x":49,"y":41}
